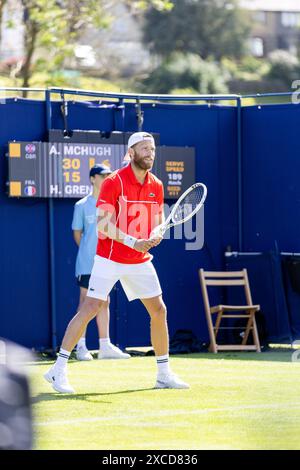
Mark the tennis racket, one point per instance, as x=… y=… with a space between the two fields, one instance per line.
x=189 y=203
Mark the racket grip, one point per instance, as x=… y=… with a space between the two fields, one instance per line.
x=157 y=231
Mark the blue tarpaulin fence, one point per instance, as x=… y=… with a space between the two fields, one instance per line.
x=249 y=165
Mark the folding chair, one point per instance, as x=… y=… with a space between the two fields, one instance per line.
x=229 y=278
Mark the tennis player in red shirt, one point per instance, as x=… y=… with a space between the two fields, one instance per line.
x=129 y=206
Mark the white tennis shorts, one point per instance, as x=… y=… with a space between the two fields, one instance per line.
x=139 y=281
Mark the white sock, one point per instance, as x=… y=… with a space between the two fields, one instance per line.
x=62 y=358
x=104 y=343
x=81 y=342
x=163 y=366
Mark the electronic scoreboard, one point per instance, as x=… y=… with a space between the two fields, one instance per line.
x=61 y=169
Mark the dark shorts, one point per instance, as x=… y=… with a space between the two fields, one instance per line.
x=83 y=280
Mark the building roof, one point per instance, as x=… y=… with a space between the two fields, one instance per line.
x=271 y=5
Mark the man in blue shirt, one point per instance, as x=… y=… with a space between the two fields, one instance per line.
x=85 y=235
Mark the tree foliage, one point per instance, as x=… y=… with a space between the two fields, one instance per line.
x=186 y=71
x=52 y=27
x=284 y=68
x=215 y=28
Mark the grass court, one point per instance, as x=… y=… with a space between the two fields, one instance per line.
x=236 y=401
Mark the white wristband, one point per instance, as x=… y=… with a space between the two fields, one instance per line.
x=129 y=241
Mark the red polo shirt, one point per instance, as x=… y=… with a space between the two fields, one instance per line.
x=134 y=206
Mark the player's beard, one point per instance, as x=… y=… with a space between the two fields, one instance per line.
x=144 y=163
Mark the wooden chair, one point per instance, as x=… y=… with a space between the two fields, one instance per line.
x=231 y=278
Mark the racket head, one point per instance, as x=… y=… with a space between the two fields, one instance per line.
x=193 y=198
x=188 y=204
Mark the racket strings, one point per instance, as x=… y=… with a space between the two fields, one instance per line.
x=188 y=204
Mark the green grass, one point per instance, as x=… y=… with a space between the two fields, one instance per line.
x=236 y=401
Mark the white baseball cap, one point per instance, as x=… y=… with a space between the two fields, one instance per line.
x=139 y=137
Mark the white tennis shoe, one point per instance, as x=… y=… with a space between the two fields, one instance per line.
x=112 y=352
x=58 y=379
x=170 y=381
x=83 y=354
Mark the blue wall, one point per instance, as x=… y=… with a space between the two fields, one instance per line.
x=270 y=165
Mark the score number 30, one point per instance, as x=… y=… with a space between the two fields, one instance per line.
x=71 y=164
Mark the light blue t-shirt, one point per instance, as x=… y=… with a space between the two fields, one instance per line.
x=85 y=218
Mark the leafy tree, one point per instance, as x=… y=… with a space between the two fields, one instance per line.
x=52 y=27
x=215 y=28
x=186 y=71
x=159 y=5
x=284 y=68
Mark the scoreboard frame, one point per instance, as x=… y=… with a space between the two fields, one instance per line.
x=61 y=169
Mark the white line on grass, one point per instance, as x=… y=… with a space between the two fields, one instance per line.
x=137 y=416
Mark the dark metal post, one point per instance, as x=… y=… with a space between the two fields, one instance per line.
x=51 y=240
x=240 y=174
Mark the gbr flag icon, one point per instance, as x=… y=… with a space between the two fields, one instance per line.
x=30 y=190
x=30 y=148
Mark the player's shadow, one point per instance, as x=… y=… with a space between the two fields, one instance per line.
x=82 y=396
